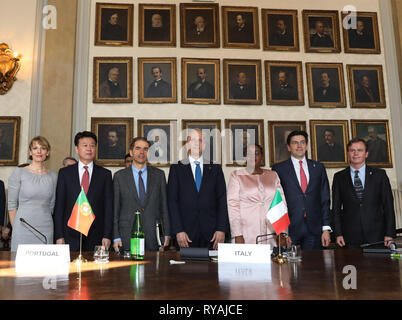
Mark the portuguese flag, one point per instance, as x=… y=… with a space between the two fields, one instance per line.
x=82 y=215
x=278 y=213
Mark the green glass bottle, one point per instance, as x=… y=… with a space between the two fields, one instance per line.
x=137 y=239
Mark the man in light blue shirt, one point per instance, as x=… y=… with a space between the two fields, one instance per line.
x=140 y=188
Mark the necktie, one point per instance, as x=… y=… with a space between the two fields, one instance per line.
x=85 y=180
x=198 y=175
x=303 y=178
x=141 y=187
x=358 y=186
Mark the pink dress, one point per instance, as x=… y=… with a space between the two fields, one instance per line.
x=249 y=198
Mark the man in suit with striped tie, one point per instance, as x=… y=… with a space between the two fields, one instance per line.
x=363 y=205
x=306 y=188
x=97 y=184
x=197 y=198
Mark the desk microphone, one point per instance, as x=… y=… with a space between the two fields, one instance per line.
x=23 y=221
x=263 y=235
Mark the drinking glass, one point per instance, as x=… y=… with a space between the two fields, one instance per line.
x=101 y=254
x=295 y=253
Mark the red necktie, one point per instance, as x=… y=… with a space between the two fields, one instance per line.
x=303 y=178
x=85 y=180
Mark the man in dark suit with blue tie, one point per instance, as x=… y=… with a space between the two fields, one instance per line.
x=97 y=184
x=363 y=205
x=306 y=188
x=197 y=198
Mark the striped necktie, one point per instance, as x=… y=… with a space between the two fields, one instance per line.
x=358 y=186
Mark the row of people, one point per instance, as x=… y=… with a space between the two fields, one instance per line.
x=194 y=206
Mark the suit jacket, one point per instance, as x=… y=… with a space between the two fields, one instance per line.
x=236 y=92
x=163 y=89
x=100 y=197
x=331 y=94
x=200 y=89
x=126 y=203
x=323 y=41
x=315 y=202
x=244 y=35
x=108 y=90
x=203 y=212
x=370 y=220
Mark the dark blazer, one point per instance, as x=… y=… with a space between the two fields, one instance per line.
x=370 y=220
x=315 y=202
x=193 y=212
x=126 y=203
x=332 y=94
x=247 y=92
x=100 y=197
x=162 y=90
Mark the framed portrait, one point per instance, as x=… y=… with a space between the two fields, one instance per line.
x=242 y=81
x=200 y=80
x=326 y=86
x=157 y=80
x=362 y=35
x=278 y=132
x=9 y=140
x=113 y=80
x=329 y=139
x=376 y=134
x=114 y=24
x=284 y=83
x=280 y=30
x=211 y=130
x=199 y=25
x=366 y=86
x=240 y=134
x=240 y=27
x=162 y=137
x=157 y=25
x=321 y=31
x=114 y=138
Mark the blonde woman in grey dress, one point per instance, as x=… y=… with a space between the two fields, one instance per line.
x=31 y=196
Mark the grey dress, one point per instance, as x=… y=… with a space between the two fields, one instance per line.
x=33 y=195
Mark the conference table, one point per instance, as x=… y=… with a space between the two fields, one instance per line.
x=326 y=274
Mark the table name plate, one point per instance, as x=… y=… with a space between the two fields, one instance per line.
x=244 y=253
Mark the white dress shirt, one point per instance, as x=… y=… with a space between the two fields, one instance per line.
x=81 y=170
x=296 y=166
x=193 y=165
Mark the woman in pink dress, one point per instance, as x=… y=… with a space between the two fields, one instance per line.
x=250 y=193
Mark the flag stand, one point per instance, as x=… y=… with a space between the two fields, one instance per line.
x=80 y=258
x=280 y=259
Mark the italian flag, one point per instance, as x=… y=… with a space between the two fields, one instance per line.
x=278 y=213
x=82 y=215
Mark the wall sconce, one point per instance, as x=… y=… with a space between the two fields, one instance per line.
x=9 y=66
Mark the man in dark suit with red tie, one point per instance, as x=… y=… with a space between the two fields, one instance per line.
x=306 y=188
x=197 y=198
x=363 y=205
x=97 y=184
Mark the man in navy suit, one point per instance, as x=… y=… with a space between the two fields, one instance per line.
x=100 y=196
x=363 y=205
x=197 y=198
x=306 y=188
